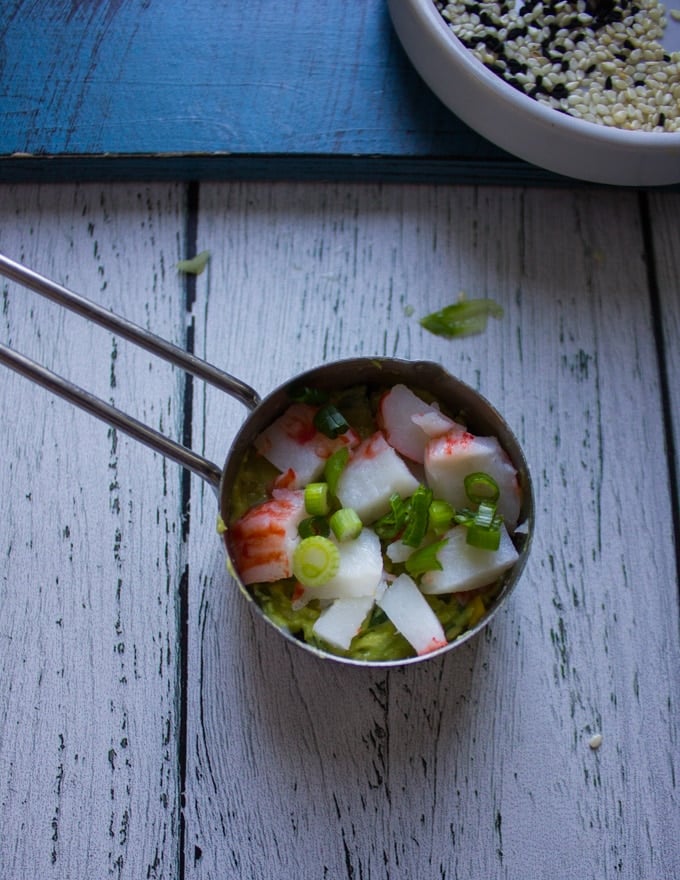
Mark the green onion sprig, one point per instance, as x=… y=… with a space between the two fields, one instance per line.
x=418 y=521
x=425 y=559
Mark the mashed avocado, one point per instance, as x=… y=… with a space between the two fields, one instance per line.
x=378 y=639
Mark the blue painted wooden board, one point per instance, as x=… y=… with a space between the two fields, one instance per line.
x=224 y=88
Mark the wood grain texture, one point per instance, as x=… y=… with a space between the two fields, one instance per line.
x=144 y=708
x=203 y=85
x=478 y=764
x=91 y=544
x=664 y=232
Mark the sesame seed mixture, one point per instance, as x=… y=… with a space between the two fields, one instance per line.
x=605 y=66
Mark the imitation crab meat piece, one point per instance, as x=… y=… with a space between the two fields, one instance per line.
x=341 y=621
x=264 y=538
x=405 y=420
x=408 y=610
x=374 y=473
x=293 y=443
x=452 y=457
x=465 y=567
x=359 y=573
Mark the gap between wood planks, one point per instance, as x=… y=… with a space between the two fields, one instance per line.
x=670 y=440
x=191 y=235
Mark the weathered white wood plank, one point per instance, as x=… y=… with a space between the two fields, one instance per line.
x=479 y=764
x=90 y=538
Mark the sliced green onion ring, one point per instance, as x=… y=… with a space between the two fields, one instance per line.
x=315 y=561
x=345 y=524
x=440 y=516
x=317 y=502
x=334 y=467
x=330 y=421
x=314 y=525
x=418 y=508
x=484 y=531
x=483 y=537
x=480 y=486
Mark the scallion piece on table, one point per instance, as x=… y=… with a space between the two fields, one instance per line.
x=464 y=318
x=317 y=501
x=315 y=561
x=425 y=559
x=418 y=521
x=330 y=421
x=314 y=525
x=345 y=524
x=334 y=467
x=481 y=487
x=195 y=265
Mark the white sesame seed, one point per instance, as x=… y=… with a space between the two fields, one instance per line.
x=616 y=74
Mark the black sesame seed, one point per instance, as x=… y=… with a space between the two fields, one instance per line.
x=493 y=44
x=502 y=30
x=515 y=66
x=498 y=69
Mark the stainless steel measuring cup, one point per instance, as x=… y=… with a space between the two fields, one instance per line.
x=453 y=394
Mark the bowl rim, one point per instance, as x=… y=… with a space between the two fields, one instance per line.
x=631 y=139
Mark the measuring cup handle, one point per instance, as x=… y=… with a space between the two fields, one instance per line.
x=141 y=337
x=205 y=469
x=198 y=465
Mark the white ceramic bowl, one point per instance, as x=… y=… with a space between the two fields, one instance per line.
x=521 y=125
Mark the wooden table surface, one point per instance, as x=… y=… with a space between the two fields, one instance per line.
x=150 y=727
x=221 y=89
